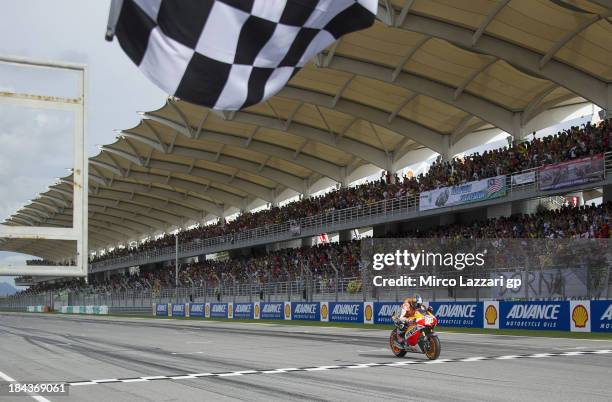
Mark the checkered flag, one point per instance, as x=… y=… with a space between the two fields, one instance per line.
x=230 y=54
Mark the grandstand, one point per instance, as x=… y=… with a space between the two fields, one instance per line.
x=239 y=198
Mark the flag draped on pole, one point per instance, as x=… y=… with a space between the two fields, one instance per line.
x=230 y=54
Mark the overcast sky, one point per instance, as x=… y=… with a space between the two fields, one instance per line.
x=34 y=146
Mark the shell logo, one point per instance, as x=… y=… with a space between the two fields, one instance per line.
x=324 y=311
x=368 y=312
x=257 y=311
x=491 y=315
x=580 y=316
x=207 y=310
x=230 y=310
x=287 y=311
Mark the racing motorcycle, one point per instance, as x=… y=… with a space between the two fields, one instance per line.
x=418 y=338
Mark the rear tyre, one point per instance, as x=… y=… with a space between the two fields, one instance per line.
x=433 y=347
x=396 y=351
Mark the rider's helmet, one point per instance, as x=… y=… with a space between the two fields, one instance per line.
x=415 y=302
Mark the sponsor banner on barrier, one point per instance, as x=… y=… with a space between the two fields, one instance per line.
x=230 y=311
x=308 y=311
x=523 y=178
x=535 y=315
x=571 y=173
x=324 y=306
x=243 y=311
x=345 y=311
x=287 y=311
x=384 y=310
x=273 y=311
x=458 y=314
x=580 y=315
x=89 y=309
x=206 y=310
x=490 y=317
x=256 y=310
x=473 y=191
x=218 y=310
x=178 y=310
x=601 y=313
x=368 y=312
x=196 y=310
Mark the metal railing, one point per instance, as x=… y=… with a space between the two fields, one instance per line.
x=357 y=216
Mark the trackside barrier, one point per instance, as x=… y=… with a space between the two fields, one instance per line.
x=91 y=310
x=563 y=315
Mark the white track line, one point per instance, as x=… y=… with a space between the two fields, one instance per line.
x=339 y=367
x=7 y=378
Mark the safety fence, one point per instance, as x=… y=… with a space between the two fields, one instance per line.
x=565 y=315
x=528 y=183
x=562 y=315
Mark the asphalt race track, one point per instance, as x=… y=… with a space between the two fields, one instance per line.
x=123 y=359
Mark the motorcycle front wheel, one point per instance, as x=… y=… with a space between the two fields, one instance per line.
x=432 y=349
x=396 y=351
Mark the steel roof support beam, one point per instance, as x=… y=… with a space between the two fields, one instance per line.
x=487 y=20
x=421 y=134
x=472 y=77
x=577 y=81
x=569 y=36
x=407 y=57
x=477 y=106
x=309 y=162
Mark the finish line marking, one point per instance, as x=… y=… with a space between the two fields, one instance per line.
x=336 y=367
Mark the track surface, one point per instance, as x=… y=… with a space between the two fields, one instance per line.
x=42 y=348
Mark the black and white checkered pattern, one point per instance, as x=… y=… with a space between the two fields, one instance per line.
x=398 y=363
x=230 y=54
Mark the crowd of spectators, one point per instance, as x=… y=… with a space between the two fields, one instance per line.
x=575 y=142
x=318 y=262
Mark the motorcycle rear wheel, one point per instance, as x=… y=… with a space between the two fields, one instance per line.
x=433 y=351
x=396 y=351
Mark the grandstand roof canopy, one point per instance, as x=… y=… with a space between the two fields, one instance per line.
x=429 y=76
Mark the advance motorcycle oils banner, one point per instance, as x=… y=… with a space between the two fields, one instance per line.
x=307 y=311
x=178 y=310
x=272 y=311
x=196 y=310
x=384 y=310
x=552 y=315
x=601 y=313
x=346 y=312
x=458 y=314
x=161 y=310
x=243 y=311
x=218 y=310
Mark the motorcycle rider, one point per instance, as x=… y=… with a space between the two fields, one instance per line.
x=407 y=313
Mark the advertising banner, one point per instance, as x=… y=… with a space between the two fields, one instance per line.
x=178 y=310
x=230 y=310
x=535 y=315
x=243 y=311
x=207 y=310
x=601 y=313
x=384 y=310
x=480 y=190
x=571 y=173
x=256 y=310
x=458 y=314
x=523 y=178
x=308 y=311
x=325 y=311
x=273 y=311
x=218 y=310
x=346 y=312
x=580 y=315
x=196 y=310
x=490 y=311
x=287 y=310
x=368 y=312
x=161 y=310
